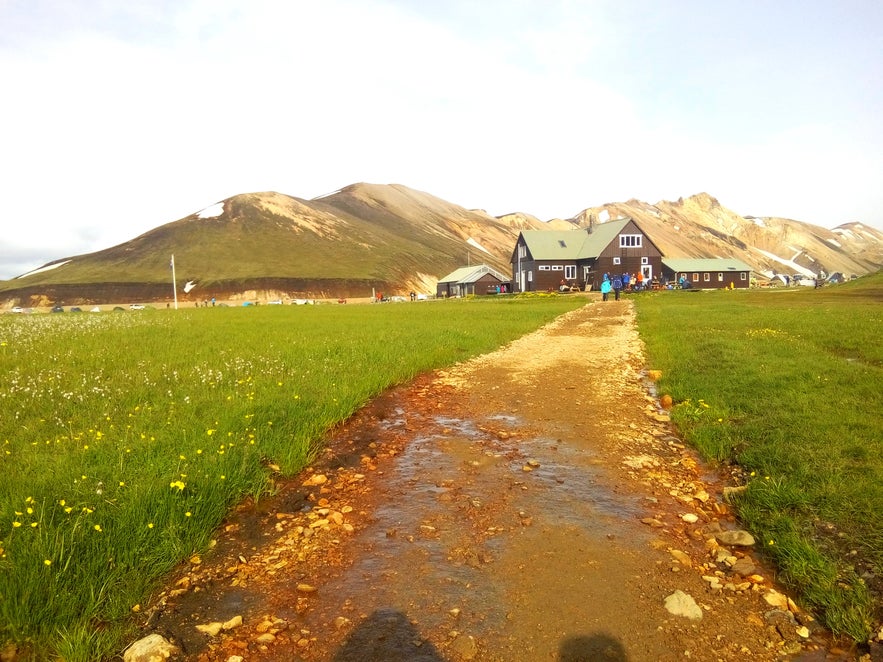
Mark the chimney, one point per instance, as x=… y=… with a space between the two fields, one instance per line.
x=591 y=227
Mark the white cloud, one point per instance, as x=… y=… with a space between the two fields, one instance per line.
x=545 y=108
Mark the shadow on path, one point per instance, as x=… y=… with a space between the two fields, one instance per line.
x=594 y=648
x=388 y=636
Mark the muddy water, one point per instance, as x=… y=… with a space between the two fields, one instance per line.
x=491 y=548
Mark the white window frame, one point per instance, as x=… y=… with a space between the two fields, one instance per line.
x=645 y=260
x=706 y=277
x=617 y=260
x=631 y=241
x=544 y=267
x=557 y=267
x=570 y=271
x=743 y=275
x=696 y=277
x=720 y=277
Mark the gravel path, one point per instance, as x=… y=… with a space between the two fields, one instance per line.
x=530 y=504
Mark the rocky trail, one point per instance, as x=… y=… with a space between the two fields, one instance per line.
x=530 y=504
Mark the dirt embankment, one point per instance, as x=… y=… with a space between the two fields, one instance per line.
x=531 y=504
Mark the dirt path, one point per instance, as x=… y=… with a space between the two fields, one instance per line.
x=532 y=504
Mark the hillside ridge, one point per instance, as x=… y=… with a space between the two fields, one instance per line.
x=364 y=238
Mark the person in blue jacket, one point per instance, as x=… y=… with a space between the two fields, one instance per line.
x=605 y=287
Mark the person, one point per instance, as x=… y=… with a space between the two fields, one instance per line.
x=617 y=287
x=625 y=280
x=640 y=279
x=605 y=288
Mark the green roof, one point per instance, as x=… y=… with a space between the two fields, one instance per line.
x=572 y=244
x=472 y=274
x=704 y=264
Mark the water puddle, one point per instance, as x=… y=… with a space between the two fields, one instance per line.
x=462 y=509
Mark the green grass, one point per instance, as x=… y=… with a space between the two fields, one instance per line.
x=126 y=437
x=787 y=385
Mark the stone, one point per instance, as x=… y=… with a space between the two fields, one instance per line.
x=681 y=557
x=744 y=567
x=315 y=479
x=266 y=638
x=465 y=647
x=683 y=604
x=234 y=622
x=235 y=658
x=690 y=518
x=775 y=599
x=735 y=537
x=152 y=648
x=211 y=629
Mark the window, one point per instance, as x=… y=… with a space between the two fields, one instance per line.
x=645 y=260
x=616 y=260
x=544 y=267
x=631 y=240
x=530 y=276
x=743 y=275
x=696 y=277
x=557 y=267
x=561 y=243
x=570 y=272
x=720 y=277
x=522 y=251
x=706 y=277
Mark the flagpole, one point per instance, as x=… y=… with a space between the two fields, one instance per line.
x=174 y=285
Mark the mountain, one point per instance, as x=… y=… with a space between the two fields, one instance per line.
x=699 y=226
x=394 y=239
x=269 y=245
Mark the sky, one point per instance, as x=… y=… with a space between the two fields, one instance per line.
x=117 y=117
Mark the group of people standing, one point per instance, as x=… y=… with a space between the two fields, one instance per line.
x=619 y=282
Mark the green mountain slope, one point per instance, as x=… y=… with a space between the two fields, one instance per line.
x=365 y=236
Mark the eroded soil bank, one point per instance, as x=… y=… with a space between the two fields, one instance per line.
x=531 y=504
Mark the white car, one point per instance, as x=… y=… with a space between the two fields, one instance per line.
x=18 y=309
x=136 y=306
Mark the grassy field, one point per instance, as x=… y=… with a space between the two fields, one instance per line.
x=788 y=385
x=125 y=437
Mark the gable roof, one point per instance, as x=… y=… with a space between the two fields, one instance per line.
x=472 y=274
x=572 y=244
x=705 y=264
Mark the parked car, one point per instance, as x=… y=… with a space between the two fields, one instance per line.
x=18 y=309
x=57 y=309
x=136 y=306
